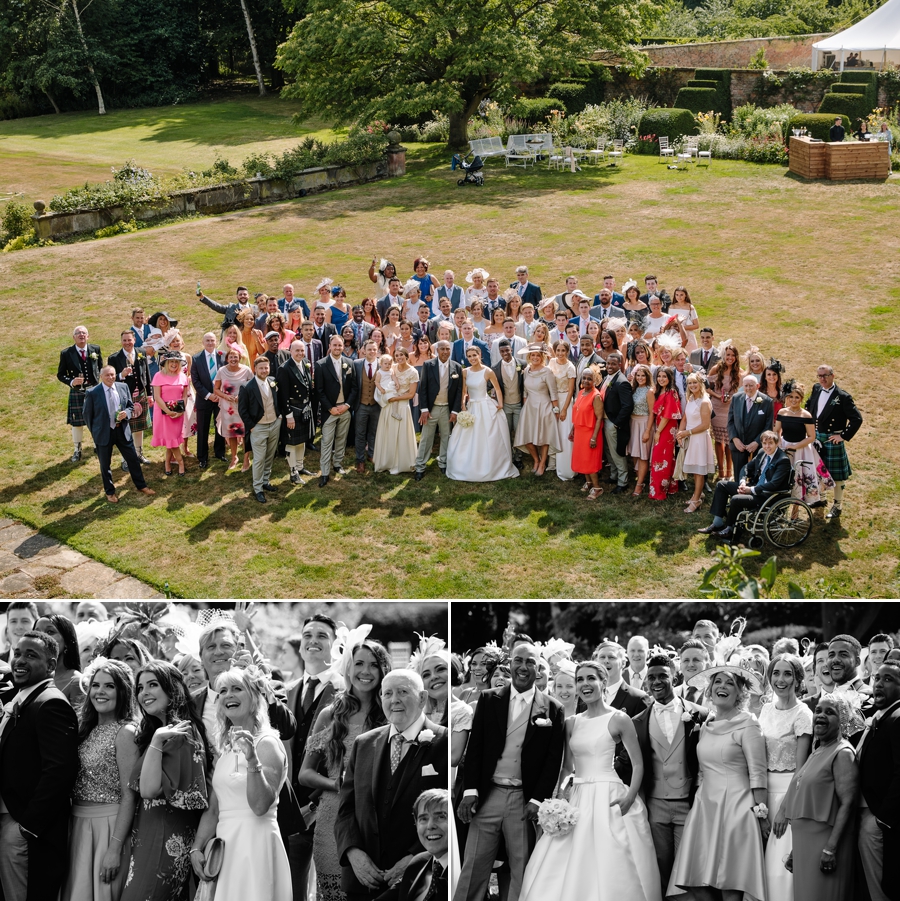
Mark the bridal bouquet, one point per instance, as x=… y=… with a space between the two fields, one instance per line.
x=557 y=817
x=466 y=419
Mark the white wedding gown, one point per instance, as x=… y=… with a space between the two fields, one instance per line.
x=606 y=856
x=482 y=452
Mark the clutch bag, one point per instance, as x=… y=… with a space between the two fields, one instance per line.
x=213 y=852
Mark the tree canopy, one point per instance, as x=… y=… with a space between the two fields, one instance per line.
x=397 y=60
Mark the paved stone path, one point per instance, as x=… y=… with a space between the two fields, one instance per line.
x=35 y=566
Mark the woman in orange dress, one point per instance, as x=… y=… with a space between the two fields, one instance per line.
x=587 y=435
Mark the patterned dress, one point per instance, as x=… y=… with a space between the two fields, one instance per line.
x=328 y=867
x=165 y=827
x=662 y=457
x=228 y=421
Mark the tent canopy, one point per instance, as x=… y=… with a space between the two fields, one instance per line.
x=878 y=31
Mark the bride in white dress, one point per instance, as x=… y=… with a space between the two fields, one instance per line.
x=482 y=452
x=608 y=855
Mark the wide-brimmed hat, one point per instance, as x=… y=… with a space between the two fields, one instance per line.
x=536 y=348
x=155 y=318
x=579 y=293
x=164 y=356
x=703 y=679
x=547 y=302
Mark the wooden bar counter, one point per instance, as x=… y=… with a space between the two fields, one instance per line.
x=839 y=161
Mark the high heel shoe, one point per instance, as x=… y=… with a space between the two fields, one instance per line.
x=693 y=506
x=637 y=489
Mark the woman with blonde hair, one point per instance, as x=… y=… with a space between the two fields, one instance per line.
x=232 y=337
x=537 y=430
x=477 y=290
x=699 y=459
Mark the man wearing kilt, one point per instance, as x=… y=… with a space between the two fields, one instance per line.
x=295 y=396
x=132 y=369
x=837 y=421
x=79 y=368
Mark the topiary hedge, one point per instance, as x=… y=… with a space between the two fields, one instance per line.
x=535 y=110
x=575 y=95
x=817 y=124
x=703 y=83
x=841 y=87
x=723 y=77
x=860 y=76
x=670 y=123
x=853 y=106
x=698 y=100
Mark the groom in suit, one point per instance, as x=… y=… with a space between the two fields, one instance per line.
x=467 y=341
x=440 y=399
x=512 y=762
x=669 y=747
x=336 y=389
x=38 y=764
x=107 y=409
x=749 y=415
x=389 y=768
x=618 y=402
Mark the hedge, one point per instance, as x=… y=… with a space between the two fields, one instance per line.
x=860 y=76
x=670 y=123
x=698 y=100
x=841 y=87
x=703 y=83
x=536 y=110
x=817 y=124
x=853 y=106
x=723 y=77
x=573 y=94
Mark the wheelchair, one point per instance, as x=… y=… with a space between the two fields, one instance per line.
x=782 y=520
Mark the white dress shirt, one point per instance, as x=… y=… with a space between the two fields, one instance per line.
x=612 y=691
x=824 y=397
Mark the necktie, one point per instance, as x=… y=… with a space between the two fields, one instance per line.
x=83 y=353
x=212 y=366
x=309 y=694
x=749 y=404
x=396 y=750
x=309 y=352
x=437 y=871
x=762 y=469
x=636 y=680
x=705 y=358
x=370 y=370
x=113 y=405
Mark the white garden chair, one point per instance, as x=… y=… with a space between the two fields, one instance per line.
x=664 y=149
x=599 y=153
x=556 y=159
x=617 y=154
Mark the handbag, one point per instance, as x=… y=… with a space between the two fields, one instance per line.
x=176 y=406
x=213 y=854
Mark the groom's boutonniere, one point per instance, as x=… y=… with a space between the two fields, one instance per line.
x=542 y=721
x=426 y=736
x=455 y=375
x=686 y=717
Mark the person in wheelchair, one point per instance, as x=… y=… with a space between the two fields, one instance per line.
x=766 y=474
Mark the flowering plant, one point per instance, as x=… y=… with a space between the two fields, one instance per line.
x=466 y=419
x=557 y=817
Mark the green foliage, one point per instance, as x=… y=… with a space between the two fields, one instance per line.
x=796 y=83
x=117 y=228
x=817 y=124
x=845 y=88
x=16 y=221
x=615 y=119
x=758 y=60
x=672 y=123
x=535 y=110
x=889 y=82
x=854 y=107
x=220 y=168
x=573 y=94
x=727 y=578
x=750 y=121
x=698 y=100
x=860 y=76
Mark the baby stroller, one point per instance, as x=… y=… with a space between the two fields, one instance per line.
x=473 y=173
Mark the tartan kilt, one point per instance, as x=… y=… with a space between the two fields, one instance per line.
x=142 y=422
x=75 y=413
x=834 y=456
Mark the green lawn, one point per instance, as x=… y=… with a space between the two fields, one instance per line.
x=45 y=155
x=800 y=269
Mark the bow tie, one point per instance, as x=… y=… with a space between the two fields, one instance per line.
x=672 y=705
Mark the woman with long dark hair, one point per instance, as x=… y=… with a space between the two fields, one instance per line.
x=724 y=381
x=103 y=804
x=67 y=675
x=666 y=414
x=354 y=711
x=170 y=776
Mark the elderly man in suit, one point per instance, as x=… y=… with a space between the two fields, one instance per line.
x=705 y=356
x=511 y=377
x=440 y=400
x=205 y=364
x=389 y=768
x=669 y=747
x=230 y=311
x=337 y=391
x=749 y=415
x=260 y=412
x=38 y=764
x=618 y=402
x=133 y=371
x=766 y=474
x=837 y=421
x=306 y=698
x=79 y=369
x=368 y=410
x=512 y=762
x=448 y=291
x=528 y=291
x=466 y=340
x=107 y=409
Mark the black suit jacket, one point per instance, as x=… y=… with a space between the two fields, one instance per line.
x=375 y=806
x=276 y=360
x=541 y=752
x=250 y=404
x=96 y=413
x=139 y=380
x=531 y=294
x=328 y=332
x=430 y=385
x=619 y=401
x=71 y=365
x=777 y=476
x=879 y=768
x=296 y=746
x=840 y=416
x=386 y=302
x=201 y=380
x=416 y=881
x=328 y=388
x=749 y=426
x=629 y=699
x=691 y=739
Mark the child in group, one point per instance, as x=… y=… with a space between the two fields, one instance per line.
x=386 y=385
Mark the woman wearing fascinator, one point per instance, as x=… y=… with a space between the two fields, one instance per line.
x=385 y=272
x=356 y=709
x=771 y=384
x=243 y=803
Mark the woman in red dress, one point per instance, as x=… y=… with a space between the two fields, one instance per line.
x=587 y=434
x=666 y=413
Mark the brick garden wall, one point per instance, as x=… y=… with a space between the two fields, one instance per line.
x=780 y=52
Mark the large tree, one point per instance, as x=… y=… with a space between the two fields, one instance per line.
x=400 y=59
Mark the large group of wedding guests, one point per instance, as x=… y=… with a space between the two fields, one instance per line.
x=715 y=771
x=604 y=386
x=153 y=756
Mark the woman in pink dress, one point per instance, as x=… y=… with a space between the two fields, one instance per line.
x=170 y=392
x=189 y=425
x=666 y=413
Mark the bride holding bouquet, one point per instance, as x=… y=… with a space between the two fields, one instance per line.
x=607 y=855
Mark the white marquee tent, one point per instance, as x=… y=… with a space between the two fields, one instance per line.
x=876 y=41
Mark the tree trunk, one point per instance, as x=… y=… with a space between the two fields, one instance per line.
x=50 y=98
x=459 y=122
x=252 y=36
x=101 y=106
